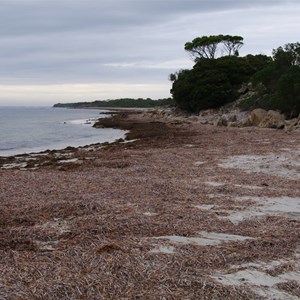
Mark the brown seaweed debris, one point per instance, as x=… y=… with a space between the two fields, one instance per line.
x=292 y=287
x=88 y=233
x=137 y=130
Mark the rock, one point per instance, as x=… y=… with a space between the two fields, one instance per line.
x=221 y=121
x=245 y=88
x=273 y=119
x=204 y=122
x=292 y=124
x=233 y=124
x=228 y=119
x=246 y=122
x=206 y=112
x=193 y=118
x=257 y=115
x=232 y=119
x=208 y=117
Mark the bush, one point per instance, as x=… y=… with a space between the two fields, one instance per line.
x=281 y=79
x=212 y=82
x=289 y=92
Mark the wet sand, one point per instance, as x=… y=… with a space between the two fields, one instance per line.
x=178 y=210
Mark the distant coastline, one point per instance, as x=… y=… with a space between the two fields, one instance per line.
x=118 y=103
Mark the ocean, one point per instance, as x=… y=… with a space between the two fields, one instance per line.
x=35 y=129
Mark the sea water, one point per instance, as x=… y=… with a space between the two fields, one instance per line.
x=34 y=129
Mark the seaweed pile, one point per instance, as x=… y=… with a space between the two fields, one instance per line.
x=150 y=218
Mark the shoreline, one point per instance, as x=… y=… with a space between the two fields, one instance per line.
x=178 y=209
x=133 y=131
x=86 y=138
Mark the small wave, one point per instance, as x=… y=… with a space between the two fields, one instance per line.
x=90 y=121
x=6 y=148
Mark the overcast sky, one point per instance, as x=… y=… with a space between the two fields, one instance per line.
x=81 y=50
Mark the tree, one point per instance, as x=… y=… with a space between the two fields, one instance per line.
x=203 y=47
x=211 y=83
x=232 y=44
x=207 y=46
x=288 y=55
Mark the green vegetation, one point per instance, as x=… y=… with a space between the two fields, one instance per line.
x=207 y=46
x=281 y=80
x=124 y=102
x=214 y=82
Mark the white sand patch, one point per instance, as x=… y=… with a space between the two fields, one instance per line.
x=61 y=155
x=216 y=196
x=163 y=249
x=29 y=159
x=58 y=226
x=14 y=165
x=239 y=216
x=256 y=277
x=205 y=206
x=263 y=141
x=129 y=141
x=149 y=214
x=278 y=164
x=278 y=206
x=264 y=206
x=260 y=282
x=283 y=205
x=204 y=238
x=199 y=163
x=38 y=154
x=46 y=246
x=91 y=148
x=214 y=183
x=71 y=160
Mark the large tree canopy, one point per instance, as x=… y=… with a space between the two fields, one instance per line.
x=208 y=46
x=213 y=82
x=219 y=72
x=232 y=44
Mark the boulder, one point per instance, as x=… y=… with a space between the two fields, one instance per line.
x=257 y=115
x=232 y=118
x=221 y=121
x=273 y=119
x=246 y=122
x=233 y=124
x=292 y=124
x=207 y=112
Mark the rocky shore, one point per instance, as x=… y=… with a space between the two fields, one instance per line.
x=180 y=209
x=231 y=117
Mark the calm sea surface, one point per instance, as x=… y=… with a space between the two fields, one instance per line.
x=33 y=129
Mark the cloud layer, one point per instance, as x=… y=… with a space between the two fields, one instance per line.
x=61 y=43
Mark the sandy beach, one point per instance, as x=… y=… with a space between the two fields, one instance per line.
x=178 y=210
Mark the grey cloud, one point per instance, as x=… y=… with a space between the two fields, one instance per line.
x=73 y=41
x=30 y=17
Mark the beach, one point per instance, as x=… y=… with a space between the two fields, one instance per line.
x=177 y=210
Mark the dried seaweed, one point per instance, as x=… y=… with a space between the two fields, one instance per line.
x=292 y=287
x=88 y=232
